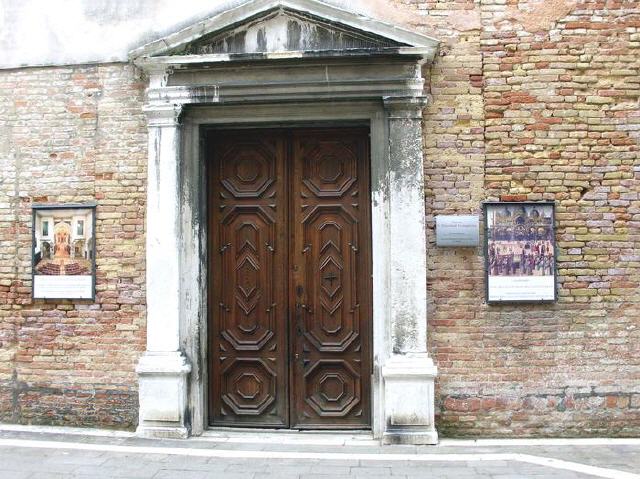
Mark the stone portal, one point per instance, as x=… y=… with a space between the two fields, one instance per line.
x=275 y=62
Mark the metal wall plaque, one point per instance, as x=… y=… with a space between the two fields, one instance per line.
x=457 y=230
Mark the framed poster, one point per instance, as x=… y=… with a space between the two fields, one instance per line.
x=63 y=251
x=520 y=252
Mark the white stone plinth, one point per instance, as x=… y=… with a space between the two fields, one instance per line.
x=409 y=400
x=162 y=380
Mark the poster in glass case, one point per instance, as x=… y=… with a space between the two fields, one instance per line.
x=520 y=252
x=63 y=252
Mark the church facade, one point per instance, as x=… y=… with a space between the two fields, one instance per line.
x=245 y=196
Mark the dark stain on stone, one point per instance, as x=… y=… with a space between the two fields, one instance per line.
x=236 y=42
x=324 y=39
x=294 y=35
x=262 y=40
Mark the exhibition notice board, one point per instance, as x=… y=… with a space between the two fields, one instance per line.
x=63 y=251
x=520 y=252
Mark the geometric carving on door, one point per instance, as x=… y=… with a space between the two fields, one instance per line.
x=248 y=169
x=333 y=326
x=330 y=169
x=247 y=327
x=248 y=278
x=249 y=386
x=290 y=280
x=330 y=236
x=331 y=387
x=247 y=235
x=331 y=276
x=330 y=216
x=247 y=323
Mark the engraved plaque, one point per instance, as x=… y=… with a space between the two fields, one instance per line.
x=457 y=230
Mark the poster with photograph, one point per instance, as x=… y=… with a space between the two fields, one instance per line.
x=520 y=252
x=63 y=252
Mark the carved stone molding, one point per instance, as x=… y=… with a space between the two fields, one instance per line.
x=405 y=107
x=163 y=115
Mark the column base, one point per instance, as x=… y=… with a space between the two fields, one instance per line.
x=162 y=380
x=409 y=400
x=160 y=432
x=408 y=436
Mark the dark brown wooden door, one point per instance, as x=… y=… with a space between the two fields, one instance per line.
x=247 y=289
x=290 y=287
x=330 y=280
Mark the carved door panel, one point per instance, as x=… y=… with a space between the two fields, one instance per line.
x=330 y=283
x=290 y=269
x=248 y=270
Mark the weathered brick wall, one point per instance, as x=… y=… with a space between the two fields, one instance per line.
x=72 y=134
x=538 y=101
x=531 y=100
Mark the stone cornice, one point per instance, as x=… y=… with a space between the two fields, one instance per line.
x=402 y=94
x=151 y=64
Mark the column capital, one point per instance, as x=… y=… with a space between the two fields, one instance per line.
x=405 y=106
x=163 y=115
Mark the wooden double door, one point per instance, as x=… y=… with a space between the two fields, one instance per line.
x=290 y=278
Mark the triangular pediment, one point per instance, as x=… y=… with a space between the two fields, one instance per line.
x=285 y=30
x=266 y=27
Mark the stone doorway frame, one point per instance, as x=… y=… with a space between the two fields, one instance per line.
x=187 y=93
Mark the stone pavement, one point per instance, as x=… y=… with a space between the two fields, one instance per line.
x=39 y=453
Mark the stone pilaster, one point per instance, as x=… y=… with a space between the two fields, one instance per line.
x=163 y=368
x=409 y=372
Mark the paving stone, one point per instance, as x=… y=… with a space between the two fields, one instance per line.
x=49 y=475
x=191 y=463
x=274 y=475
x=301 y=468
x=141 y=471
x=9 y=474
x=75 y=459
x=190 y=474
x=30 y=462
x=371 y=471
x=326 y=469
x=325 y=476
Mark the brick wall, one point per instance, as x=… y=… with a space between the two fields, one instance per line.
x=71 y=135
x=535 y=100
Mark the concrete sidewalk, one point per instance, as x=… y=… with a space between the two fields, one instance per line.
x=34 y=453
